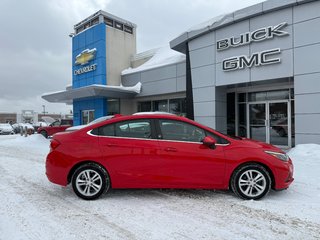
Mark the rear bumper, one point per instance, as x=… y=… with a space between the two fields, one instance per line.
x=56 y=173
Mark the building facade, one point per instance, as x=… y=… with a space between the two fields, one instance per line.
x=251 y=73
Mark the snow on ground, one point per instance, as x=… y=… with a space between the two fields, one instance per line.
x=33 y=208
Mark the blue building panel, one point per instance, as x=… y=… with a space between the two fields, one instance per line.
x=99 y=105
x=94 y=37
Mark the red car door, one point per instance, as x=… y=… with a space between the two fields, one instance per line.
x=130 y=154
x=187 y=163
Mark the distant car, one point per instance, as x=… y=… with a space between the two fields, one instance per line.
x=16 y=127
x=55 y=127
x=6 y=129
x=164 y=151
x=28 y=126
x=36 y=125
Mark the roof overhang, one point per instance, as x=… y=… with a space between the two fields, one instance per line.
x=180 y=43
x=67 y=96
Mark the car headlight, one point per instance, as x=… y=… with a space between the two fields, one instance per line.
x=282 y=156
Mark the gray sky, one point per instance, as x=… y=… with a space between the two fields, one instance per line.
x=36 y=49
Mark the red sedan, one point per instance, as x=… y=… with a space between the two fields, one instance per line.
x=164 y=151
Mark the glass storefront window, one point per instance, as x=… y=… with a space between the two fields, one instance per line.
x=292 y=93
x=87 y=116
x=257 y=96
x=242 y=97
x=160 y=106
x=231 y=114
x=177 y=106
x=270 y=95
x=277 y=95
x=242 y=126
x=113 y=106
x=144 y=106
x=292 y=124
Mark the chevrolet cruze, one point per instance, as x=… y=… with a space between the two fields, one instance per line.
x=164 y=151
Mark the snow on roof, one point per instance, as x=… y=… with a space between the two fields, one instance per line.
x=164 y=56
x=208 y=23
x=220 y=21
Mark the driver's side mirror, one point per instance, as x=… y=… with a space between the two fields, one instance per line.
x=209 y=142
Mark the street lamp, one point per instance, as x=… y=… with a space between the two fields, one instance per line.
x=44 y=109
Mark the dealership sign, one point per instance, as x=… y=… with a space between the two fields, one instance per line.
x=84 y=58
x=256 y=59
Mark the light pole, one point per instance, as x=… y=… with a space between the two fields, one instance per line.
x=44 y=109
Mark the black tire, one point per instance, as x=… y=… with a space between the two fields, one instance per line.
x=90 y=180
x=44 y=133
x=251 y=181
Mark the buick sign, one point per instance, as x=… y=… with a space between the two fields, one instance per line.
x=258 y=35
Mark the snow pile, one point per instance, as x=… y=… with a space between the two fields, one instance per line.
x=305 y=152
x=136 y=88
x=302 y=199
x=35 y=141
x=164 y=56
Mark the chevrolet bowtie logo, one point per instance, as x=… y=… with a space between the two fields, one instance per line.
x=85 y=56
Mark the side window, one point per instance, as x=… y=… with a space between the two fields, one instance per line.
x=65 y=122
x=55 y=124
x=219 y=139
x=107 y=130
x=133 y=129
x=180 y=131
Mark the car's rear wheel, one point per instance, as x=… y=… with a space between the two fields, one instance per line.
x=89 y=181
x=251 y=181
x=44 y=133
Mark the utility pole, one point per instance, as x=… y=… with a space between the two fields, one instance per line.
x=44 y=109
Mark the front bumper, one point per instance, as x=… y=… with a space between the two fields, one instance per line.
x=284 y=175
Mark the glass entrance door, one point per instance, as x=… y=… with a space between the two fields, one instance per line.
x=279 y=125
x=257 y=121
x=268 y=122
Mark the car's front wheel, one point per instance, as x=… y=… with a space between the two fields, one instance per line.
x=251 y=181
x=89 y=181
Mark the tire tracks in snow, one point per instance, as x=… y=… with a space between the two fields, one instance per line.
x=31 y=192
x=213 y=203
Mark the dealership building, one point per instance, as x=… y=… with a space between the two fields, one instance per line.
x=252 y=73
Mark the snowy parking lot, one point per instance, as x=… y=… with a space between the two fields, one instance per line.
x=33 y=208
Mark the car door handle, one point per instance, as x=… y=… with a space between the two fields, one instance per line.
x=170 y=149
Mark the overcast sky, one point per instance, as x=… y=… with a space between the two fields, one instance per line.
x=36 y=49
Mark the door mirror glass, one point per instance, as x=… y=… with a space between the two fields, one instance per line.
x=209 y=142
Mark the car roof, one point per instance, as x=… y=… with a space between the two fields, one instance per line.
x=139 y=116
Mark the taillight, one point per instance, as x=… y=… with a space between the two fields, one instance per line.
x=54 y=144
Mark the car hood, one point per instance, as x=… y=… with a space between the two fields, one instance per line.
x=6 y=128
x=258 y=144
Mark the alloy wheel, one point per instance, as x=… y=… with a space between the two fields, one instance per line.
x=252 y=183
x=88 y=182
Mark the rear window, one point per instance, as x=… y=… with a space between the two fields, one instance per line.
x=66 y=122
x=129 y=129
